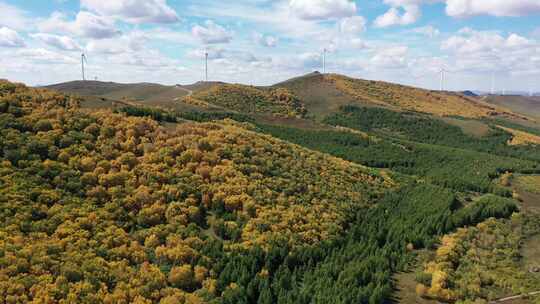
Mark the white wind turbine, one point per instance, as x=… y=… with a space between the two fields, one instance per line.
x=206 y=64
x=83 y=61
x=443 y=72
x=324 y=60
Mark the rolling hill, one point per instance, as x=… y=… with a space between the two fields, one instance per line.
x=146 y=93
x=324 y=94
x=315 y=94
x=524 y=105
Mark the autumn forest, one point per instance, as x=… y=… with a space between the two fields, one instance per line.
x=241 y=194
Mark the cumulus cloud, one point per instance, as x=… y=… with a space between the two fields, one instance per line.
x=93 y=26
x=429 y=31
x=265 y=40
x=86 y=25
x=10 y=38
x=128 y=43
x=322 y=9
x=469 y=41
x=310 y=60
x=403 y=14
x=134 y=11
x=390 y=57
x=352 y=25
x=41 y=55
x=13 y=17
x=211 y=33
x=212 y=51
x=64 y=43
x=465 y=8
x=147 y=59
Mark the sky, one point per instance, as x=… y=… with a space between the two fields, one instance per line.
x=479 y=43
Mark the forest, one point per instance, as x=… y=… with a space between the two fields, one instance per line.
x=103 y=207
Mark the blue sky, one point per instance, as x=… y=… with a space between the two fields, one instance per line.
x=263 y=42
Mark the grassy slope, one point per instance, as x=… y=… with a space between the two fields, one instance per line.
x=524 y=105
x=319 y=96
x=324 y=94
x=148 y=93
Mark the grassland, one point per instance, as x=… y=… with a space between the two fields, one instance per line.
x=529 y=183
x=414 y=99
x=471 y=127
x=524 y=105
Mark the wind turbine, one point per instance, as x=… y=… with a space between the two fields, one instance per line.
x=324 y=60
x=492 y=83
x=443 y=71
x=206 y=65
x=83 y=60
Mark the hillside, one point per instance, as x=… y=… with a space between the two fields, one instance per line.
x=315 y=95
x=94 y=194
x=326 y=93
x=103 y=207
x=251 y=100
x=523 y=105
x=147 y=93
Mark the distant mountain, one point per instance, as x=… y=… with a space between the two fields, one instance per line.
x=469 y=93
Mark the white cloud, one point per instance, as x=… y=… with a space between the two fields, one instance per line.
x=310 y=60
x=265 y=40
x=322 y=9
x=133 y=11
x=469 y=41
x=41 y=55
x=86 y=25
x=13 y=17
x=10 y=38
x=212 y=33
x=64 y=43
x=429 y=31
x=148 y=59
x=352 y=25
x=129 y=43
x=213 y=53
x=407 y=14
x=464 y=8
x=517 y=41
x=390 y=57
x=93 y=26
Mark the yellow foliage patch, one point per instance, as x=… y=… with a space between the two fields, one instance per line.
x=415 y=99
x=521 y=137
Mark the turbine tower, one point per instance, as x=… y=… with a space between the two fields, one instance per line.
x=442 y=71
x=206 y=66
x=83 y=60
x=324 y=60
x=492 y=83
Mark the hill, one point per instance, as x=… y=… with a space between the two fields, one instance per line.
x=147 y=93
x=326 y=93
x=524 y=105
x=96 y=193
x=248 y=99
x=315 y=94
x=469 y=94
x=105 y=207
